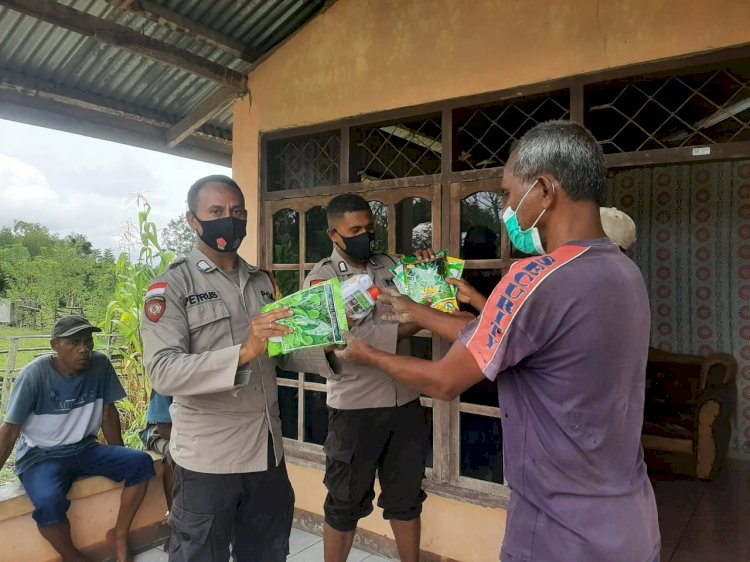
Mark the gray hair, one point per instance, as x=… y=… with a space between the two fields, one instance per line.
x=566 y=150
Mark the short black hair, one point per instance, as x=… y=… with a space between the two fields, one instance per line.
x=345 y=203
x=195 y=189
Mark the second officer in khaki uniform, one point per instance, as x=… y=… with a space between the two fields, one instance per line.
x=376 y=425
x=204 y=343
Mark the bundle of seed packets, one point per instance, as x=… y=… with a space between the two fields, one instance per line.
x=425 y=282
x=319 y=318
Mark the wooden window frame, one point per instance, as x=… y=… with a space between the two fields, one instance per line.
x=450 y=188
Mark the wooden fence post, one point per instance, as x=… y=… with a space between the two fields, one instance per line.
x=9 y=368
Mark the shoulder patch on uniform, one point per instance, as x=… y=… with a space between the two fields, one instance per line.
x=343 y=268
x=154 y=308
x=316 y=282
x=203 y=265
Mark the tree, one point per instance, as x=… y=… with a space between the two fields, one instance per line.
x=178 y=237
x=33 y=236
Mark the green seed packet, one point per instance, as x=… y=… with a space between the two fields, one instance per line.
x=319 y=318
x=425 y=282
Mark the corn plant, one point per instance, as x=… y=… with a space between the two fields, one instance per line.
x=123 y=315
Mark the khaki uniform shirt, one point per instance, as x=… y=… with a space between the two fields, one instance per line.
x=221 y=415
x=349 y=386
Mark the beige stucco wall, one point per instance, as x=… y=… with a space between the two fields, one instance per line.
x=457 y=531
x=362 y=56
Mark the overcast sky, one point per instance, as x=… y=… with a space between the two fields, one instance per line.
x=70 y=183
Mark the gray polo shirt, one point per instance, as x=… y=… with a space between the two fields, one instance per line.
x=568 y=333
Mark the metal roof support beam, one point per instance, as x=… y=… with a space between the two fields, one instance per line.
x=66 y=114
x=176 y=21
x=124 y=37
x=205 y=111
x=10 y=82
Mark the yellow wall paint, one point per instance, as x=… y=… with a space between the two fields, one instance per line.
x=363 y=56
x=456 y=530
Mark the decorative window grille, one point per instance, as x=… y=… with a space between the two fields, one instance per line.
x=397 y=150
x=695 y=108
x=483 y=135
x=304 y=162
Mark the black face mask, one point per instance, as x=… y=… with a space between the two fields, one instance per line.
x=223 y=235
x=358 y=247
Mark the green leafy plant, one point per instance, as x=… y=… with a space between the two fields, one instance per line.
x=123 y=315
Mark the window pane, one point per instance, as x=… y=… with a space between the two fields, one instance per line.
x=413 y=225
x=483 y=135
x=483 y=393
x=288 y=281
x=481 y=448
x=286 y=236
x=481 y=216
x=314 y=377
x=289 y=410
x=380 y=213
x=282 y=374
x=398 y=150
x=317 y=243
x=483 y=280
x=316 y=417
x=302 y=162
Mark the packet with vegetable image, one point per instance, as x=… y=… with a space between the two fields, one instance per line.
x=319 y=318
x=425 y=282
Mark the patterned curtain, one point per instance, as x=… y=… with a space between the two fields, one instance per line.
x=693 y=248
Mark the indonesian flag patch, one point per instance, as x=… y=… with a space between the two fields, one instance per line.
x=155 y=302
x=156 y=290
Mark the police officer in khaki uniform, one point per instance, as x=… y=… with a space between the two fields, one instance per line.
x=204 y=341
x=375 y=423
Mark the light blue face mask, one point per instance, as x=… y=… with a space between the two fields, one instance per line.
x=527 y=241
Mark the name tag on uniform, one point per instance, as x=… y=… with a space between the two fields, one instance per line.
x=201 y=297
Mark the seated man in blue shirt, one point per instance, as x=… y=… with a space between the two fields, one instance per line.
x=57 y=407
x=156 y=438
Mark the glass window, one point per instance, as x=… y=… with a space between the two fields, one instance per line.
x=396 y=150
x=380 y=214
x=316 y=417
x=286 y=236
x=317 y=243
x=302 y=162
x=481 y=448
x=289 y=406
x=413 y=225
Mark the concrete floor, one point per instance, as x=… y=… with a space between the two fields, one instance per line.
x=303 y=547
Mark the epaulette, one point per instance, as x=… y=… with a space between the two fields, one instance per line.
x=321 y=263
x=177 y=261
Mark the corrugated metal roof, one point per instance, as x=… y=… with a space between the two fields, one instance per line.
x=49 y=56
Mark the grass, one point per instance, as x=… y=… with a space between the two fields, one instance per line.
x=22 y=358
x=6 y=473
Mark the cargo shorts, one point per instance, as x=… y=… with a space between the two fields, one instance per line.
x=391 y=443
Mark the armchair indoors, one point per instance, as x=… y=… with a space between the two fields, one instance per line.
x=690 y=400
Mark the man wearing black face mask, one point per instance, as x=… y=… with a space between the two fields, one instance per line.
x=204 y=342
x=375 y=423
